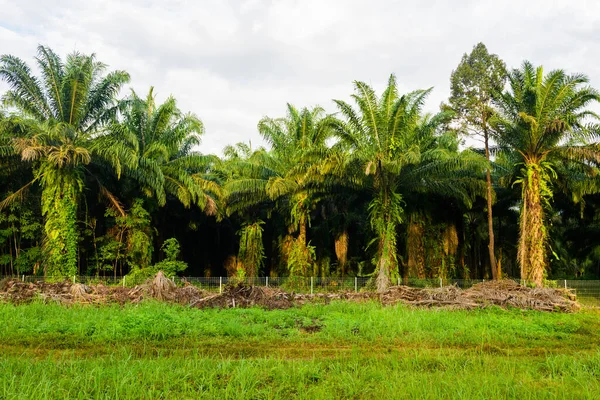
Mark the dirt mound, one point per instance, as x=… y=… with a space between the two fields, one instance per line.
x=499 y=293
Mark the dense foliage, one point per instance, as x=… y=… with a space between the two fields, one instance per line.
x=94 y=183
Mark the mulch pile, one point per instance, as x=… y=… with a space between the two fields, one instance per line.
x=504 y=294
x=160 y=288
x=493 y=293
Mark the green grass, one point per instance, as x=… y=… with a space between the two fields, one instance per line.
x=341 y=350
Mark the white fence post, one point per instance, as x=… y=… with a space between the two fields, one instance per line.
x=23 y=278
x=311 y=285
x=73 y=279
x=356 y=284
x=220 y=284
x=267 y=281
x=441 y=285
x=565 y=283
x=398 y=281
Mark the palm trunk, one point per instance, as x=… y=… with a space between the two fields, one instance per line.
x=300 y=256
x=251 y=249
x=341 y=250
x=532 y=235
x=415 y=248
x=488 y=175
x=61 y=236
x=386 y=261
x=302 y=231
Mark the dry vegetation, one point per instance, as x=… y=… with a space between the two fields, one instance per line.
x=499 y=293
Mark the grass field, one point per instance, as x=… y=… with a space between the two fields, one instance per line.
x=340 y=350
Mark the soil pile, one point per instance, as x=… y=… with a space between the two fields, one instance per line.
x=493 y=293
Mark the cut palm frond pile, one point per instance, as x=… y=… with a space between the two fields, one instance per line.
x=506 y=294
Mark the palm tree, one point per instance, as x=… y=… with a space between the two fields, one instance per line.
x=394 y=150
x=167 y=166
x=65 y=107
x=164 y=141
x=286 y=176
x=545 y=123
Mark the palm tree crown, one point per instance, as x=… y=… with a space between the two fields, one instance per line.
x=164 y=140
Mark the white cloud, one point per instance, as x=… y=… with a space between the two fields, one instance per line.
x=232 y=62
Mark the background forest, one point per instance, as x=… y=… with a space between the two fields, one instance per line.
x=96 y=179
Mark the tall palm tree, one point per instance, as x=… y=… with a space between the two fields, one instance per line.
x=286 y=176
x=299 y=141
x=393 y=148
x=66 y=106
x=545 y=123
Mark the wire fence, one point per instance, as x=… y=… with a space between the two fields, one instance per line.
x=587 y=291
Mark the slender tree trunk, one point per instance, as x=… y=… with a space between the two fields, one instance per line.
x=532 y=235
x=11 y=257
x=302 y=243
x=488 y=175
x=462 y=247
x=17 y=248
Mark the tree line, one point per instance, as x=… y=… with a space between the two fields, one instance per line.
x=94 y=183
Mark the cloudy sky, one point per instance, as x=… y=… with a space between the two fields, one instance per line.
x=232 y=62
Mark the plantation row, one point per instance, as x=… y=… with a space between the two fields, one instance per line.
x=96 y=183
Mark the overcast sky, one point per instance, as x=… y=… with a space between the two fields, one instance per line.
x=233 y=62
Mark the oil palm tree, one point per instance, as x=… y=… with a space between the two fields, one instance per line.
x=394 y=150
x=164 y=140
x=545 y=124
x=64 y=108
x=286 y=176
